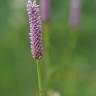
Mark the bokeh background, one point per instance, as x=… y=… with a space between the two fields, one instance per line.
x=72 y=68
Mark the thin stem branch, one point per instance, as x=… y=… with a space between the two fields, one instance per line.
x=39 y=78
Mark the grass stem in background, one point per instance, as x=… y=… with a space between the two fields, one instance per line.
x=47 y=54
x=45 y=13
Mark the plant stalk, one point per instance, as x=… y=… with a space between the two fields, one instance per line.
x=39 y=79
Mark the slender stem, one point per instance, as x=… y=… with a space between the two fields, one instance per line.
x=39 y=78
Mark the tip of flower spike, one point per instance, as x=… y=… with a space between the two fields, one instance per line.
x=29 y=1
x=34 y=2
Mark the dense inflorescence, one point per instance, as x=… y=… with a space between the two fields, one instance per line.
x=35 y=33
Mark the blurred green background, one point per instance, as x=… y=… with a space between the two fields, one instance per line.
x=72 y=69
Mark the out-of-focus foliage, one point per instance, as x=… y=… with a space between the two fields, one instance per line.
x=72 y=71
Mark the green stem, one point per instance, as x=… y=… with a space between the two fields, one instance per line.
x=39 y=78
